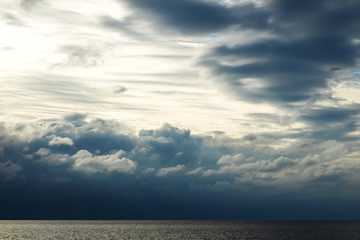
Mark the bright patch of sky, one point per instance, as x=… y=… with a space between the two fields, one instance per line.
x=57 y=58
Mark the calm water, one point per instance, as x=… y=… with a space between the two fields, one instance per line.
x=177 y=230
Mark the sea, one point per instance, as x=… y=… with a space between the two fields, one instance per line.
x=180 y=230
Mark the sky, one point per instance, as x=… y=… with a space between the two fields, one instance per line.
x=180 y=109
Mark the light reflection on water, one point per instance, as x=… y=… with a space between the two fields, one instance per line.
x=178 y=230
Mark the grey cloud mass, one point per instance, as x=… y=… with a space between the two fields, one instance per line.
x=188 y=16
x=309 y=39
x=333 y=114
x=166 y=161
x=296 y=64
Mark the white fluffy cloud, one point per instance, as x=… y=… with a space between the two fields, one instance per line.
x=115 y=162
x=227 y=159
x=166 y=171
x=57 y=141
x=46 y=156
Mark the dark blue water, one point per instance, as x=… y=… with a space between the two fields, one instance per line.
x=178 y=230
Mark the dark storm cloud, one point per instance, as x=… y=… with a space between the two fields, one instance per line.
x=187 y=15
x=327 y=50
x=279 y=80
x=332 y=114
x=310 y=40
x=77 y=164
x=319 y=17
x=199 y=17
x=321 y=123
x=332 y=122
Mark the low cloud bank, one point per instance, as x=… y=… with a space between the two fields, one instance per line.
x=76 y=158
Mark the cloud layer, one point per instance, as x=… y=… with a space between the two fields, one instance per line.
x=165 y=164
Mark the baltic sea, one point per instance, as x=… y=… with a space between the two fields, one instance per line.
x=179 y=230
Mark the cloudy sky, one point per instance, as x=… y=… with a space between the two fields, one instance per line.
x=180 y=109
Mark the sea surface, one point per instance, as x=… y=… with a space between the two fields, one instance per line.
x=179 y=230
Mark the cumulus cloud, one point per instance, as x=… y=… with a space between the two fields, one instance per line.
x=89 y=163
x=43 y=152
x=100 y=147
x=170 y=161
x=54 y=159
x=166 y=171
x=227 y=159
x=58 y=141
x=46 y=156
